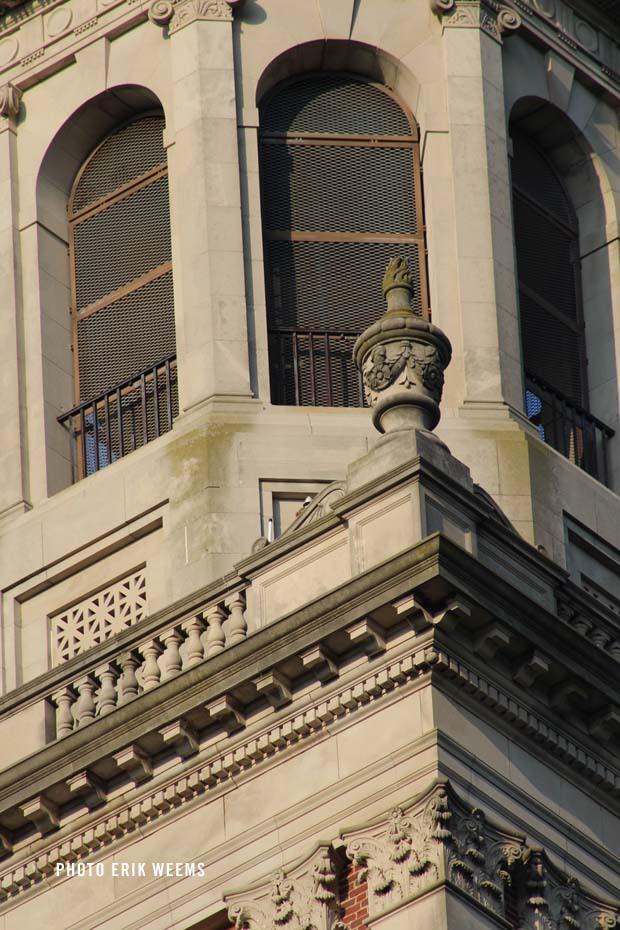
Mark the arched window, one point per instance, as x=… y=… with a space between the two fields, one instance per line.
x=551 y=310
x=341 y=195
x=122 y=300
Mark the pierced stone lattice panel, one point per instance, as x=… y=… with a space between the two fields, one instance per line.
x=99 y=616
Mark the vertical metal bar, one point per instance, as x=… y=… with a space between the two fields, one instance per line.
x=83 y=442
x=328 y=363
x=145 y=425
x=119 y=414
x=96 y=435
x=585 y=458
x=604 y=450
x=312 y=371
x=168 y=394
x=296 y=375
x=156 y=401
x=108 y=430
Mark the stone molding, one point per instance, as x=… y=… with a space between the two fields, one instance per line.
x=10 y=101
x=305 y=896
x=438 y=839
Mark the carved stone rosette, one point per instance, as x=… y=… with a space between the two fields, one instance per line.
x=402 y=360
x=304 y=897
x=437 y=839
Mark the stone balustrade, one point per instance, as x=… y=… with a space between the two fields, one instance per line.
x=150 y=663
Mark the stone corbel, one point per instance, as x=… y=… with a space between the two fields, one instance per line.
x=437 y=838
x=305 y=896
x=10 y=102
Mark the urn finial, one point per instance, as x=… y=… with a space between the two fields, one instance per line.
x=402 y=358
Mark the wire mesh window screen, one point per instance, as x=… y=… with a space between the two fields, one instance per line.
x=123 y=307
x=546 y=240
x=341 y=191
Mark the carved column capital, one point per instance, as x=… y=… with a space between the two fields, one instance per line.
x=10 y=101
x=489 y=15
x=302 y=897
x=547 y=899
x=437 y=838
x=181 y=13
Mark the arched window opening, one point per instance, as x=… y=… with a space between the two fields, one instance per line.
x=341 y=195
x=122 y=299
x=551 y=310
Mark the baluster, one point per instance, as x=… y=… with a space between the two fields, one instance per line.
x=237 y=626
x=216 y=641
x=86 y=709
x=107 y=675
x=195 y=650
x=128 y=686
x=172 y=662
x=63 y=699
x=151 y=673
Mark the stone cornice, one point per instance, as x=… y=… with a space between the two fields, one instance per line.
x=588 y=47
x=497 y=623
x=234 y=757
x=552 y=23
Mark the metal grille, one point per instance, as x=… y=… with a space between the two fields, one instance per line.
x=341 y=196
x=123 y=307
x=551 y=347
x=535 y=177
x=547 y=259
x=335 y=105
x=356 y=192
x=331 y=285
x=121 y=158
x=132 y=237
x=126 y=337
x=552 y=330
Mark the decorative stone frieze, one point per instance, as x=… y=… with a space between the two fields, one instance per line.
x=402 y=359
x=547 y=899
x=304 y=897
x=10 y=101
x=434 y=840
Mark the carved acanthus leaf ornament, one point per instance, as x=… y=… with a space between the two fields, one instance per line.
x=306 y=897
x=437 y=839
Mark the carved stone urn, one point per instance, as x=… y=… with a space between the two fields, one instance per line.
x=402 y=360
